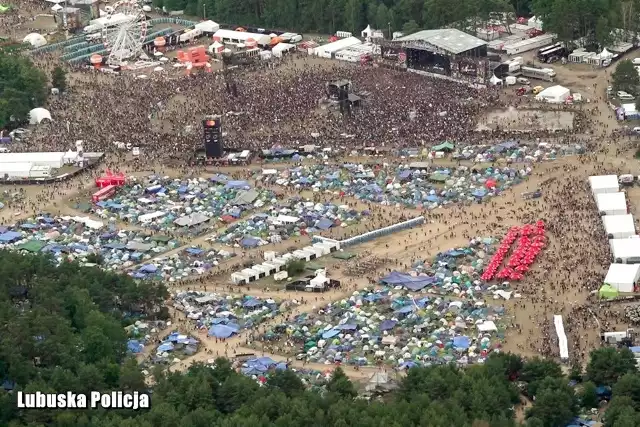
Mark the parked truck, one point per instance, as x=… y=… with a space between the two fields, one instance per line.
x=546 y=74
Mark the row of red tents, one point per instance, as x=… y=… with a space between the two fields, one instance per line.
x=532 y=240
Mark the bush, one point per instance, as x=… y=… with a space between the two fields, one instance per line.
x=295 y=267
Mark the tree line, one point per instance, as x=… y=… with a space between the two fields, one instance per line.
x=62 y=329
x=594 y=21
x=22 y=87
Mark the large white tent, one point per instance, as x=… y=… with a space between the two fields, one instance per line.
x=619 y=226
x=240 y=37
x=554 y=94
x=207 y=26
x=35 y=40
x=38 y=114
x=53 y=159
x=604 y=184
x=280 y=48
x=329 y=49
x=623 y=276
x=612 y=203
x=625 y=251
x=15 y=170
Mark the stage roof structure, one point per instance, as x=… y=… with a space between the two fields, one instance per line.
x=449 y=39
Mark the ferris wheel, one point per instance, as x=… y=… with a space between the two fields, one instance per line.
x=126 y=32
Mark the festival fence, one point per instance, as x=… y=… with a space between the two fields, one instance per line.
x=385 y=231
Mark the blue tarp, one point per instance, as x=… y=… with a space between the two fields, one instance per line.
x=410 y=282
x=148 y=268
x=194 y=251
x=330 y=333
x=404 y=174
x=165 y=346
x=347 y=327
x=221 y=331
x=114 y=245
x=387 y=325
x=461 y=342
x=29 y=226
x=237 y=185
x=10 y=236
x=219 y=178
x=134 y=346
x=154 y=189
x=253 y=302
x=324 y=224
x=406 y=309
x=249 y=242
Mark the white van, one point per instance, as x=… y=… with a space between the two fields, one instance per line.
x=624 y=96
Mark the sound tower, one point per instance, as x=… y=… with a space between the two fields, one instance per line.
x=213 y=146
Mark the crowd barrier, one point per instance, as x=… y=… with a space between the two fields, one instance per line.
x=75 y=46
x=82 y=52
x=562 y=337
x=385 y=231
x=59 y=45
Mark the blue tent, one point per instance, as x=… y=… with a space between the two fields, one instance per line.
x=29 y=226
x=404 y=174
x=347 y=327
x=410 y=282
x=406 y=309
x=221 y=331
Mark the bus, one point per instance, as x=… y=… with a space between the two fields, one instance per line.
x=546 y=74
x=104 y=193
x=543 y=50
x=553 y=54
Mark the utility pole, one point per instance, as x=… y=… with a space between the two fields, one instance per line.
x=389 y=23
x=204 y=10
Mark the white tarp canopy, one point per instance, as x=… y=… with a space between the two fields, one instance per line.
x=619 y=226
x=612 y=203
x=604 y=184
x=91 y=223
x=280 y=48
x=555 y=94
x=151 y=216
x=38 y=114
x=623 y=276
x=625 y=250
x=495 y=81
x=16 y=170
x=191 y=220
x=70 y=157
x=562 y=337
x=207 y=26
x=319 y=281
x=605 y=54
x=35 y=40
x=56 y=7
x=325 y=51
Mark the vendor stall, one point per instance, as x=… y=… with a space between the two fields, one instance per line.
x=612 y=203
x=623 y=277
x=619 y=226
x=625 y=251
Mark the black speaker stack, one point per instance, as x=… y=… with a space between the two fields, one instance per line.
x=213 y=145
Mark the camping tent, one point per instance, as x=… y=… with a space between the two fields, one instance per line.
x=35 y=40
x=37 y=115
x=604 y=184
x=495 y=81
x=619 y=226
x=605 y=54
x=612 y=203
x=623 y=277
x=625 y=251
x=445 y=146
x=554 y=94
x=607 y=292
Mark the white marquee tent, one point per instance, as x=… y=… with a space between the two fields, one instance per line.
x=240 y=37
x=619 y=226
x=55 y=159
x=554 y=94
x=612 y=203
x=39 y=114
x=329 y=49
x=280 y=48
x=623 y=276
x=625 y=251
x=604 y=184
x=207 y=26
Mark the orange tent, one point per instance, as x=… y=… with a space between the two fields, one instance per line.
x=275 y=41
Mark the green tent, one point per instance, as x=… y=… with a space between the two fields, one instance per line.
x=607 y=292
x=32 y=246
x=160 y=238
x=438 y=177
x=343 y=255
x=4 y=8
x=445 y=146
